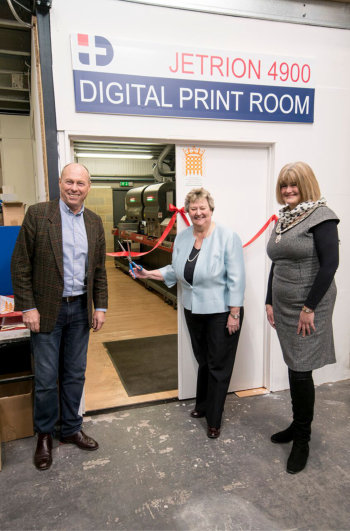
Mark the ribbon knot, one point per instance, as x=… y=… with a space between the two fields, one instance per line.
x=180 y=211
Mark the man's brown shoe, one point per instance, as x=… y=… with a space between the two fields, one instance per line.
x=82 y=440
x=43 y=452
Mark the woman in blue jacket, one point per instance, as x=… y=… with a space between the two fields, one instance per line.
x=208 y=263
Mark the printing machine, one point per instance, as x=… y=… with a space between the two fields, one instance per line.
x=148 y=207
x=146 y=217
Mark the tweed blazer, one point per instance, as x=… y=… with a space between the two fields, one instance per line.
x=37 y=263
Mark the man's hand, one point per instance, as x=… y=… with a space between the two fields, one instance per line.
x=32 y=320
x=97 y=320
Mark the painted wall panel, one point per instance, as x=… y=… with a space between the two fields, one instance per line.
x=323 y=144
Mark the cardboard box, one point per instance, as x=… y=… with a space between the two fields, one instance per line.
x=8 y=197
x=13 y=212
x=16 y=410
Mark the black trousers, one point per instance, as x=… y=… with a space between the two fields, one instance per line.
x=215 y=351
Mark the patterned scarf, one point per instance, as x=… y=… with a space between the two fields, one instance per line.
x=289 y=218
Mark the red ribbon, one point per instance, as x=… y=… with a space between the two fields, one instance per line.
x=272 y=218
x=181 y=211
x=176 y=211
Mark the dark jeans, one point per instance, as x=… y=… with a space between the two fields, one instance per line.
x=62 y=353
x=215 y=351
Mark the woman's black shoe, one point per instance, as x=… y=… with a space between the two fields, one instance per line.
x=298 y=457
x=213 y=433
x=284 y=436
x=197 y=414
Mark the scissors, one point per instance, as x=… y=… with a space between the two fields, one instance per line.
x=132 y=264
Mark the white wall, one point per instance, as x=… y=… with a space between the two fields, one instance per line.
x=324 y=144
x=17 y=156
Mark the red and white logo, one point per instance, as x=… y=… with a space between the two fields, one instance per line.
x=94 y=50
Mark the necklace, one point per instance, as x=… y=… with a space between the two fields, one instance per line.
x=280 y=231
x=195 y=256
x=290 y=218
x=211 y=226
x=301 y=217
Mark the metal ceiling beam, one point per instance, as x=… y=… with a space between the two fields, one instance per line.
x=15 y=52
x=16 y=89
x=312 y=12
x=13 y=110
x=17 y=100
x=12 y=24
x=50 y=124
x=5 y=71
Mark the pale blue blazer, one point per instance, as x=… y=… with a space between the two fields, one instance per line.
x=219 y=277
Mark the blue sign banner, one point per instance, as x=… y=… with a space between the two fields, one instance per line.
x=109 y=93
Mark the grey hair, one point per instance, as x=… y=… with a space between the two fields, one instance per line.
x=196 y=194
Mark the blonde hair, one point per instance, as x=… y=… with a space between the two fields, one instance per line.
x=300 y=174
x=197 y=194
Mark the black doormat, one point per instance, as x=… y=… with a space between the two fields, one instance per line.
x=147 y=364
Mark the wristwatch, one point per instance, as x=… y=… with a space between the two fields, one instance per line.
x=307 y=310
x=235 y=315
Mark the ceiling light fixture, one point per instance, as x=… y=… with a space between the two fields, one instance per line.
x=114 y=156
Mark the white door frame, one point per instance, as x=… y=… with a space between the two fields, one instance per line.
x=66 y=154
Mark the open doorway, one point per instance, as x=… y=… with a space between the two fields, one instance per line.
x=138 y=319
x=239 y=177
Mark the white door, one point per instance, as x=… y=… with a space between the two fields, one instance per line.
x=238 y=179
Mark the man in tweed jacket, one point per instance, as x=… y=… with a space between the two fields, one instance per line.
x=58 y=273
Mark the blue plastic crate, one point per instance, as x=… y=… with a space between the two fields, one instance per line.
x=8 y=237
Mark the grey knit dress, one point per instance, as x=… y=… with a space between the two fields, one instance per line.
x=296 y=266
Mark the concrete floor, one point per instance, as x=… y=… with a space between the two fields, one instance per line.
x=157 y=470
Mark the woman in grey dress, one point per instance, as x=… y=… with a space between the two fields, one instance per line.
x=301 y=295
